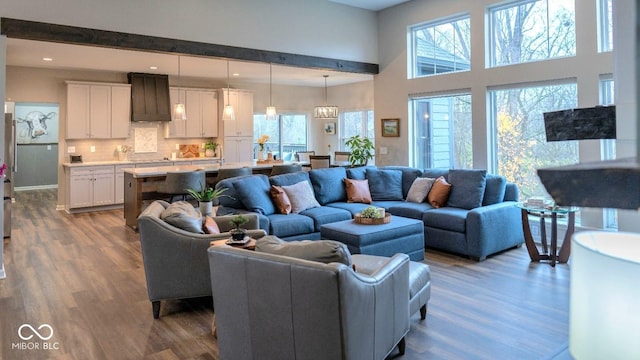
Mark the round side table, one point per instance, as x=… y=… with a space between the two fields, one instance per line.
x=548 y=253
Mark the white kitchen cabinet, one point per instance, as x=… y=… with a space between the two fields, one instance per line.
x=201 y=107
x=90 y=186
x=242 y=102
x=98 y=111
x=119 y=182
x=238 y=149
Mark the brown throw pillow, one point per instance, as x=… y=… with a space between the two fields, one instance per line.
x=439 y=193
x=210 y=226
x=358 y=191
x=280 y=199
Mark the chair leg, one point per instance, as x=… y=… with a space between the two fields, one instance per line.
x=402 y=345
x=156 y=309
x=423 y=312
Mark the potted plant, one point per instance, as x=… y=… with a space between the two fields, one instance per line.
x=210 y=149
x=238 y=233
x=205 y=197
x=371 y=212
x=362 y=150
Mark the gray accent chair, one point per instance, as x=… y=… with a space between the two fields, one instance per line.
x=277 y=307
x=175 y=261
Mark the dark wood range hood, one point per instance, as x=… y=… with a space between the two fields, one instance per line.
x=149 y=97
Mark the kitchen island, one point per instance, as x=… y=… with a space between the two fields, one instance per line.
x=141 y=184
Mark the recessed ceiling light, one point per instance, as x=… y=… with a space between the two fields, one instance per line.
x=153 y=67
x=236 y=74
x=47 y=59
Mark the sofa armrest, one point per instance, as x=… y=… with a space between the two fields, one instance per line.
x=493 y=228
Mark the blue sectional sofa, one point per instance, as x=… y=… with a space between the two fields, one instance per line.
x=478 y=220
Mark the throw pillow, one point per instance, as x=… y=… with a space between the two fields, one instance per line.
x=254 y=194
x=280 y=199
x=210 y=226
x=420 y=189
x=327 y=184
x=385 y=184
x=325 y=251
x=495 y=189
x=358 y=191
x=301 y=196
x=439 y=192
x=183 y=215
x=467 y=188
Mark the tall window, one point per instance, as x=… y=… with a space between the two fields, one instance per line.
x=532 y=30
x=282 y=143
x=605 y=25
x=355 y=123
x=610 y=216
x=521 y=146
x=441 y=46
x=442 y=132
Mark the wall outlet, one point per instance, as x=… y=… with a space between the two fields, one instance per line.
x=92 y=149
x=71 y=149
x=383 y=150
x=177 y=146
x=49 y=147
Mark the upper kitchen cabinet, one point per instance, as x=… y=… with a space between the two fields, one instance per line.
x=242 y=102
x=201 y=108
x=97 y=110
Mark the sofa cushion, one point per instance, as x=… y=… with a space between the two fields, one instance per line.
x=357 y=191
x=439 y=192
x=435 y=173
x=409 y=174
x=288 y=225
x=289 y=179
x=448 y=218
x=467 y=188
x=183 y=215
x=353 y=208
x=495 y=189
x=359 y=172
x=385 y=184
x=232 y=199
x=420 y=189
x=410 y=210
x=254 y=194
x=326 y=215
x=280 y=199
x=325 y=251
x=327 y=184
x=301 y=196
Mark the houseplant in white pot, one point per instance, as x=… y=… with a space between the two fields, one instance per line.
x=210 y=149
x=361 y=148
x=205 y=197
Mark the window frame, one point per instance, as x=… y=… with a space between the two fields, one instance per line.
x=279 y=119
x=366 y=117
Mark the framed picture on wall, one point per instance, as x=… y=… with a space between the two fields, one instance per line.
x=391 y=127
x=36 y=123
x=330 y=128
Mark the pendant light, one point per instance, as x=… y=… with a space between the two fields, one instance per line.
x=228 y=113
x=326 y=111
x=271 y=113
x=179 y=112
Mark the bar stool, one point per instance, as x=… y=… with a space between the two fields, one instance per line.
x=320 y=161
x=176 y=183
x=285 y=169
x=226 y=173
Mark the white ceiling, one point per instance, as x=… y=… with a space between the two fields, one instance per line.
x=374 y=5
x=30 y=53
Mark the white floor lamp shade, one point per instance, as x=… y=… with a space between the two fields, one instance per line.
x=604 y=318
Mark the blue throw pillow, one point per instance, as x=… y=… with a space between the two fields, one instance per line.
x=328 y=184
x=494 y=192
x=408 y=175
x=467 y=188
x=289 y=179
x=358 y=172
x=254 y=194
x=385 y=184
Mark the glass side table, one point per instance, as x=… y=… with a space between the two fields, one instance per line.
x=548 y=253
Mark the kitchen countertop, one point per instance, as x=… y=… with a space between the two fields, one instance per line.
x=133 y=162
x=162 y=170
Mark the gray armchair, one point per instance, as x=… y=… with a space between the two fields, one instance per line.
x=175 y=261
x=277 y=307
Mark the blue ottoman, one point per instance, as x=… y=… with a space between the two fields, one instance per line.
x=400 y=235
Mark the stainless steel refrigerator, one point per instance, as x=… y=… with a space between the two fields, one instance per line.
x=9 y=159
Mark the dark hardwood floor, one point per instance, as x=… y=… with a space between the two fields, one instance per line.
x=83 y=275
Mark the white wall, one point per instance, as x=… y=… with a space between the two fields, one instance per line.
x=309 y=27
